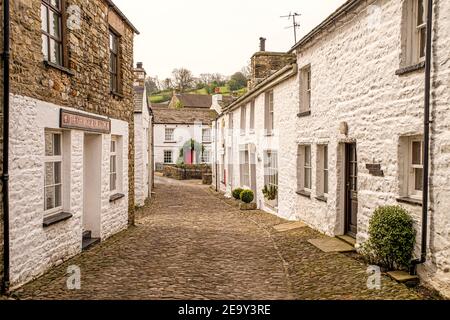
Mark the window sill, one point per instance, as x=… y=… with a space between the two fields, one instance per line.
x=252 y=131
x=117 y=95
x=116 y=197
x=67 y=71
x=322 y=198
x=412 y=201
x=409 y=69
x=56 y=218
x=304 y=114
x=304 y=193
x=269 y=134
x=170 y=142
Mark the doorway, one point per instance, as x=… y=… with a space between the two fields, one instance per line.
x=92 y=177
x=351 y=190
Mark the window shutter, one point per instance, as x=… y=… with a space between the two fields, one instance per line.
x=299 y=167
x=266 y=112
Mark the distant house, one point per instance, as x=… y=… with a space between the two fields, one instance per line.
x=143 y=151
x=187 y=118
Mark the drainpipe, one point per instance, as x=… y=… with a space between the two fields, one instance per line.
x=5 y=176
x=426 y=139
x=215 y=157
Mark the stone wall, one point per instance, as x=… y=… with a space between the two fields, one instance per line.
x=88 y=88
x=264 y=64
x=1 y=144
x=187 y=172
x=354 y=81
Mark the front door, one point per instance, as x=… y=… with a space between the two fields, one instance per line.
x=351 y=190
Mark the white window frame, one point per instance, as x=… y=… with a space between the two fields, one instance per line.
x=244 y=159
x=269 y=112
x=305 y=89
x=113 y=163
x=303 y=167
x=206 y=156
x=414 y=32
x=322 y=176
x=252 y=116
x=54 y=159
x=412 y=168
x=169 y=134
x=171 y=156
x=421 y=29
x=271 y=168
x=243 y=120
x=206 y=138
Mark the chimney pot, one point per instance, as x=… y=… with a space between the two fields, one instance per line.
x=140 y=65
x=262 y=44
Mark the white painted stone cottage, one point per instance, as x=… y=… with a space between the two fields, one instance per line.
x=338 y=131
x=143 y=137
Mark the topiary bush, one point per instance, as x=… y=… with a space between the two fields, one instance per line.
x=391 y=238
x=247 y=196
x=237 y=193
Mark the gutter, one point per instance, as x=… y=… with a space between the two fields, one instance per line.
x=5 y=175
x=426 y=140
x=278 y=77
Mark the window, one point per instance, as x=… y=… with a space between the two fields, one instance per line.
x=305 y=90
x=230 y=124
x=252 y=116
x=322 y=170
x=206 y=156
x=411 y=166
x=304 y=168
x=244 y=166
x=414 y=31
x=206 y=135
x=271 y=171
x=113 y=166
x=52 y=25
x=114 y=62
x=169 y=134
x=243 y=119
x=53 y=173
x=168 y=157
x=269 y=113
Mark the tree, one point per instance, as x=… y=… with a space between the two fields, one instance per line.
x=247 y=70
x=237 y=81
x=166 y=84
x=182 y=79
x=152 y=85
x=218 y=79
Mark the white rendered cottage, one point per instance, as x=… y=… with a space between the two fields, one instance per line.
x=339 y=130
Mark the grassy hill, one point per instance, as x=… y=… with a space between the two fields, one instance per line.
x=166 y=95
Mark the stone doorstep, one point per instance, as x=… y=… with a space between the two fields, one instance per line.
x=289 y=226
x=247 y=206
x=351 y=241
x=332 y=245
x=403 y=277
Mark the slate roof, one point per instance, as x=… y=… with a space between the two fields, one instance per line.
x=195 y=100
x=165 y=115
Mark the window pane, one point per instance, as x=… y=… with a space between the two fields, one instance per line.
x=418 y=173
x=55 y=3
x=45 y=47
x=113 y=164
x=48 y=144
x=325 y=181
x=307 y=178
x=307 y=156
x=112 y=182
x=422 y=42
x=49 y=174
x=113 y=146
x=54 y=24
x=325 y=157
x=421 y=18
x=55 y=52
x=416 y=153
x=44 y=17
x=57 y=172
x=57 y=144
x=49 y=198
x=58 y=196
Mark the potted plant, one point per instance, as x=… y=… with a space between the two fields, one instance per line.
x=270 y=195
x=236 y=193
x=247 y=197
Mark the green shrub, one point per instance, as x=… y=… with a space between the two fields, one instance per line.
x=270 y=192
x=391 y=238
x=247 y=196
x=237 y=193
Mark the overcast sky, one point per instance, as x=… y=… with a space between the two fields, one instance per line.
x=215 y=36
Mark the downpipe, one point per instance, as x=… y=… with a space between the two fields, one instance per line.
x=5 y=175
x=426 y=140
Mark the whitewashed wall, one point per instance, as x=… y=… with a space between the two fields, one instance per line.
x=35 y=249
x=141 y=155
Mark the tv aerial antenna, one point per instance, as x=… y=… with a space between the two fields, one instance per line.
x=295 y=25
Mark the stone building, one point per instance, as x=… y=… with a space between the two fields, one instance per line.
x=71 y=130
x=188 y=116
x=339 y=132
x=143 y=155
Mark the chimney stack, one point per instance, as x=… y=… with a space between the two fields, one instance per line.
x=262 y=44
x=139 y=75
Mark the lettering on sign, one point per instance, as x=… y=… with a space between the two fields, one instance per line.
x=84 y=122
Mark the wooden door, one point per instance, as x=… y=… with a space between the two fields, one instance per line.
x=351 y=185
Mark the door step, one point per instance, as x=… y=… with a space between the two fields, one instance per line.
x=88 y=241
x=351 y=241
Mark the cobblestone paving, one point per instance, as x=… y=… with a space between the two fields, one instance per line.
x=191 y=243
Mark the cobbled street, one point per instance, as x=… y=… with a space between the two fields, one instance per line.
x=191 y=243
